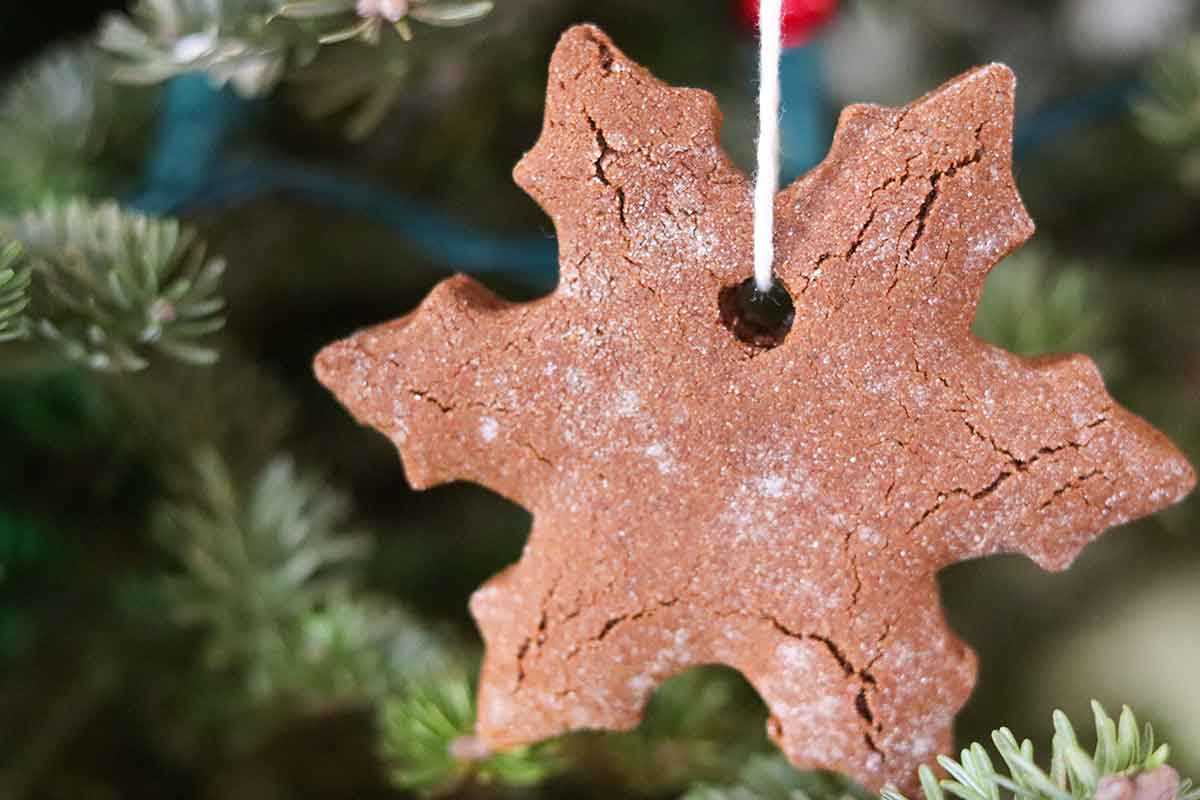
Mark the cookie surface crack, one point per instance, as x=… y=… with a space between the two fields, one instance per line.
x=443 y=406
x=935 y=179
x=598 y=165
x=864 y=678
x=1074 y=483
x=537 y=453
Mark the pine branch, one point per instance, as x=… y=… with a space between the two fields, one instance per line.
x=268 y=575
x=54 y=118
x=696 y=728
x=109 y=285
x=251 y=44
x=14 y=293
x=1030 y=309
x=1125 y=765
x=1171 y=116
x=363 y=647
x=773 y=778
x=343 y=20
x=230 y=40
x=1122 y=751
x=427 y=739
x=255 y=566
x=366 y=81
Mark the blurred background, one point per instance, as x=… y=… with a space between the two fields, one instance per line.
x=213 y=584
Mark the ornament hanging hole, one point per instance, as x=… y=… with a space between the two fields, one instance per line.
x=760 y=319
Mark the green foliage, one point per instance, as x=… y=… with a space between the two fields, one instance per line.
x=14 y=293
x=255 y=567
x=363 y=82
x=341 y=20
x=700 y=725
x=231 y=40
x=252 y=44
x=54 y=116
x=110 y=285
x=21 y=543
x=427 y=740
x=366 y=80
x=269 y=577
x=1030 y=309
x=362 y=647
x=23 y=549
x=1122 y=748
x=773 y=778
x=264 y=572
x=1171 y=116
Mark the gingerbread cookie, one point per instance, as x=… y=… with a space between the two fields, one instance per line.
x=780 y=509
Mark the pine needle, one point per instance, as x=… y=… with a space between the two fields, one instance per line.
x=1075 y=774
x=110 y=286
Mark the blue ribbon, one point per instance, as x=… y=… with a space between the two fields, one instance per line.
x=196 y=122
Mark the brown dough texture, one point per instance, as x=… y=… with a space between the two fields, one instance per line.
x=783 y=511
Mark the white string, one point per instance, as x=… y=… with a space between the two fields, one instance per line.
x=770 y=13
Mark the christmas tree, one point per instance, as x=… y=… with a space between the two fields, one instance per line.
x=214 y=584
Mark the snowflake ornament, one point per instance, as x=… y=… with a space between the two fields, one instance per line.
x=781 y=509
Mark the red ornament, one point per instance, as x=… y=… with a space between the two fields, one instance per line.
x=801 y=18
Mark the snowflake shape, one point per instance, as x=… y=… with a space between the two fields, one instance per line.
x=782 y=510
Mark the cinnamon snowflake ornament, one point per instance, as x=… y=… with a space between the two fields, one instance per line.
x=701 y=499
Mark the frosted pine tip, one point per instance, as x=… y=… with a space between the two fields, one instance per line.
x=468 y=748
x=391 y=10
